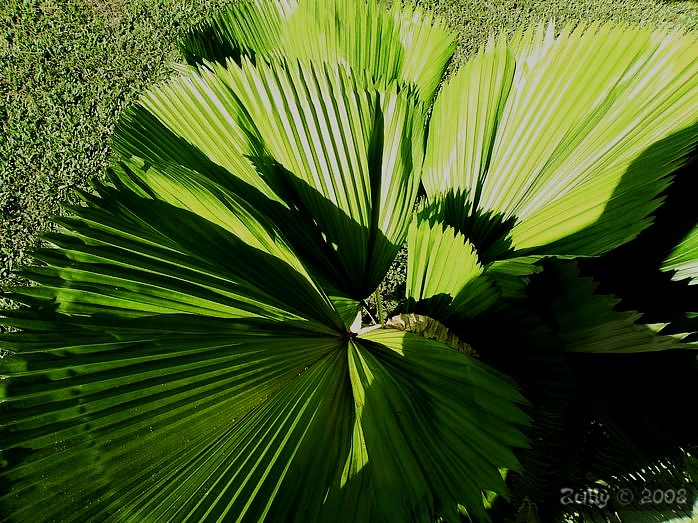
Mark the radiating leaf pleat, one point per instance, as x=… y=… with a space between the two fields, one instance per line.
x=248 y=26
x=198 y=108
x=351 y=156
x=452 y=422
x=444 y=276
x=254 y=466
x=137 y=257
x=585 y=133
x=136 y=424
x=465 y=122
x=209 y=199
x=403 y=43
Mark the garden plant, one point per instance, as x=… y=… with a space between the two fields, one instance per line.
x=193 y=348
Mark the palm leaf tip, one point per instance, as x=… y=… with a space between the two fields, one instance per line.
x=587 y=321
x=683 y=259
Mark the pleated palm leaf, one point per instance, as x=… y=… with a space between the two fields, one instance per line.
x=524 y=161
x=193 y=349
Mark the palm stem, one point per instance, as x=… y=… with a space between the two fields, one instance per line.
x=368 y=311
x=379 y=305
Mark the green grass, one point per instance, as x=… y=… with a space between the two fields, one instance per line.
x=69 y=67
x=475 y=19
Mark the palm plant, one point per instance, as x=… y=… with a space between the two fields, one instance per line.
x=194 y=349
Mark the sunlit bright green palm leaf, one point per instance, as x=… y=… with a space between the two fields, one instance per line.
x=346 y=155
x=354 y=153
x=568 y=137
x=404 y=43
x=444 y=277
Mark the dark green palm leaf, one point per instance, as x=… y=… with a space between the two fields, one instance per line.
x=187 y=352
x=684 y=258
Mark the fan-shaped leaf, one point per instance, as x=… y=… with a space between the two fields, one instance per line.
x=345 y=158
x=571 y=136
x=444 y=276
x=589 y=322
x=404 y=44
x=127 y=412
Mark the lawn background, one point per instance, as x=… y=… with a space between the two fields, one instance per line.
x=69 y=67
